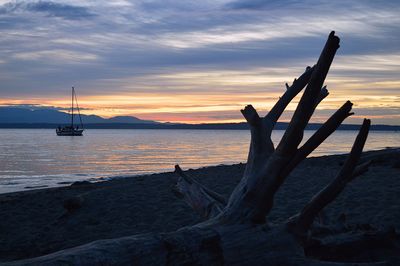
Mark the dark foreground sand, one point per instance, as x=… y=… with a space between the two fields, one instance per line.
x=34 y=223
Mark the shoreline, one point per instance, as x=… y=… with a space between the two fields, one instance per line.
x=144 y=175
x=36 y=222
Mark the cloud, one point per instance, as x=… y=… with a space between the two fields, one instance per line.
x=64 y=56
x=34 y=106
x=238 y=52
x=304 y=5
x=52 y=9
x=258 y=4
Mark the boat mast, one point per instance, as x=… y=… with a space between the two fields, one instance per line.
x=77 y=107
x=72 y=112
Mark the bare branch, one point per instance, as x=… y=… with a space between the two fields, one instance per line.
x=351 y=162
x=259 y=141
x=331 y=191
x=251 y=115
x=261 y=129
x=294 y=133
x=322 y=95
x=191 y=180
x=319 y=136
x=261 y=145
x=291 y=92
x=203 y=200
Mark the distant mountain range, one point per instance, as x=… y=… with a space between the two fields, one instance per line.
x=17 y=117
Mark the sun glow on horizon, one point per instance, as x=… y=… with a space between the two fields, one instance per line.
x=217 y=96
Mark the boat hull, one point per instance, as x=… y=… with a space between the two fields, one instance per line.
x=74 y=132
x=71 y=130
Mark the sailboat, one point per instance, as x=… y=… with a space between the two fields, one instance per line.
x=72 y=130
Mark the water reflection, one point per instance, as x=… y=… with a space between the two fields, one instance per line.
x=35 y=157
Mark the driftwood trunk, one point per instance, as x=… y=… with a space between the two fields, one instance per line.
x=235 y=230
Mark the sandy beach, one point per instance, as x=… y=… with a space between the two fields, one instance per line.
x=36 y=222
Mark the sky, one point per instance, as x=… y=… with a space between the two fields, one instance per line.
x=197 y=61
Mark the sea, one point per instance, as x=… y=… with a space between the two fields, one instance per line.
x=38 y=158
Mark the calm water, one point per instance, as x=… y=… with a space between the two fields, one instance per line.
x=30 y=158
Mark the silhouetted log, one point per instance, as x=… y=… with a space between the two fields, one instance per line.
x=198 y=245
x=252 y=201
x=203 y=200
x=261 y=147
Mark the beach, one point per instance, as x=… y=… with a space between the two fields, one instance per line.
x=37 y=222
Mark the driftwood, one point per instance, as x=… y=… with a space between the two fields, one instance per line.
x=235 y=230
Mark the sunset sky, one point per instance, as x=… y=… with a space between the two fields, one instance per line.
x=197 y=61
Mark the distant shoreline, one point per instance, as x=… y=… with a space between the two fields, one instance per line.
x=215 y=126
